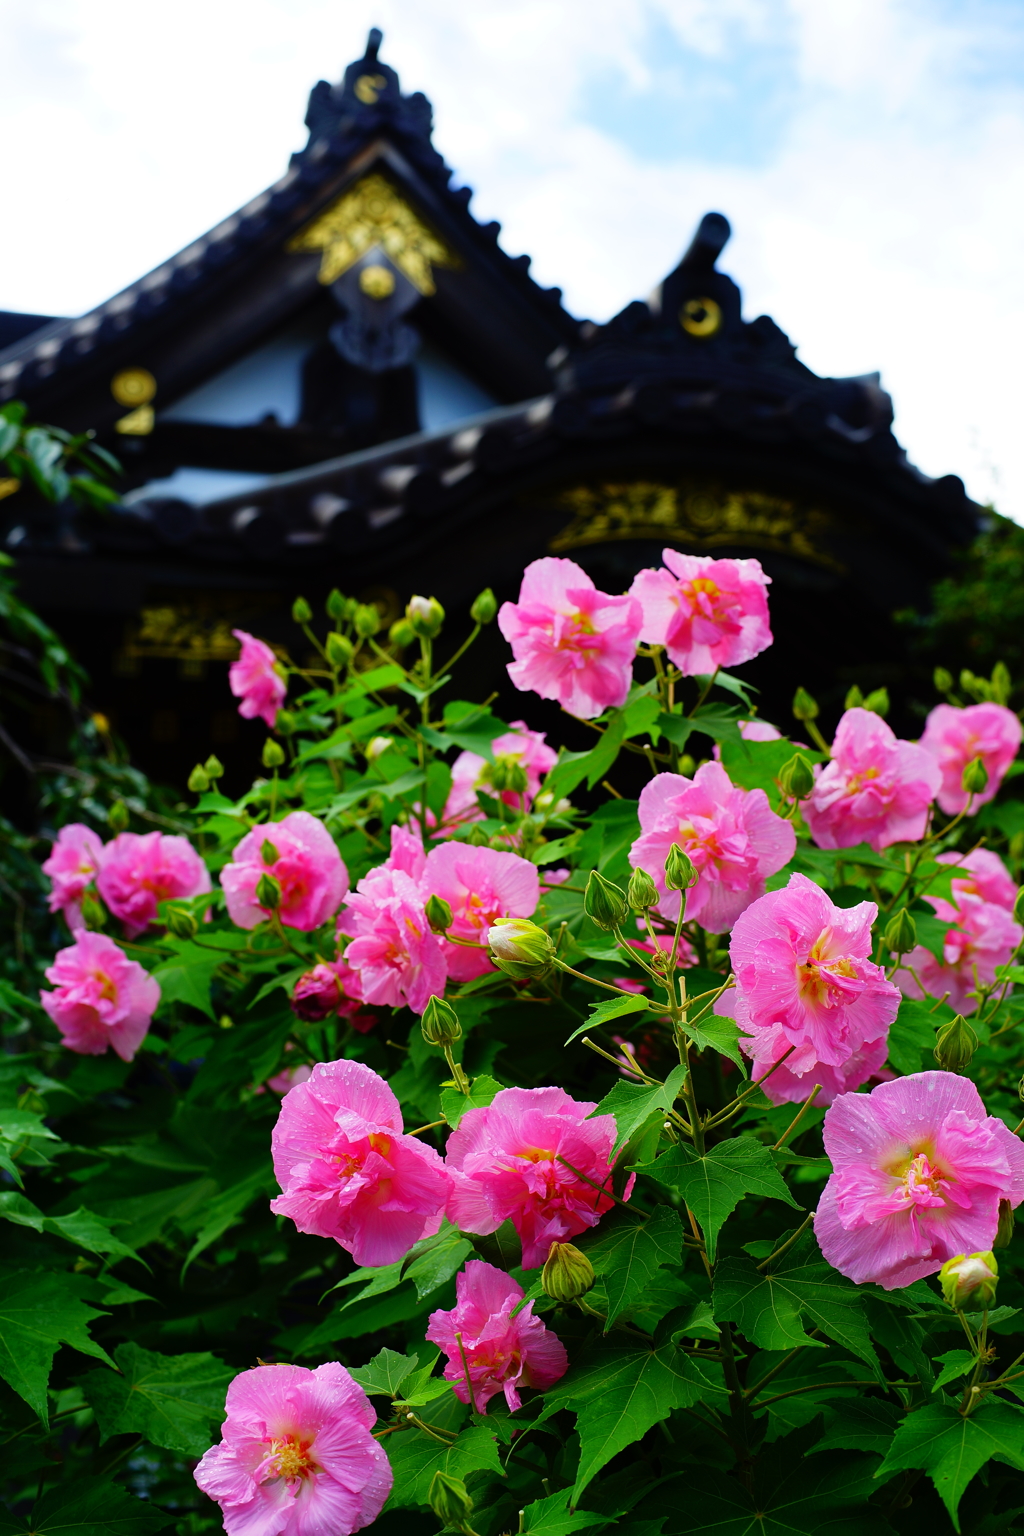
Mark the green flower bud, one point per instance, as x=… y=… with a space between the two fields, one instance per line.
x=1018 y=906
x=804 y=707
x=426 y=616
x=301 y=611
x=955 y=1045
x=687 y=766
x=680 y=874
x=439 y=914
x=285 y=723
x=440 y=1023
x=367 y=620
x=118 y=816
x=94 y=913
x=273 y=753
x=641 y=892
x=268 y=892
x=449 y=1500
x=268 y=853
x=198 y=780
x=943 y=680
x=878 y=702
x=182 y=923
x=970 y=1278
x=506 y=773
x=376 y=747
x=214 y=767
x=520 y=948
x=975 y=777
x=1004 y=1232
x=900 y=933
x=484 y=607
x=854 y=698
x=340 y=649
x=977 y=687
x=567 y=1274
x=401 y=634
x=1001 y=684
x=796 y=777
x=604 y=903
x=335 y=606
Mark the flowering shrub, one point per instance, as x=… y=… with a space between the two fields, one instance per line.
x=425 y=1139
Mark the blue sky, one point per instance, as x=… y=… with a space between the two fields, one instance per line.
x=868 y=153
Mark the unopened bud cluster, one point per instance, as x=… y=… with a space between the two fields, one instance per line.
x=567 y=1274
x=520 y=948
x=796 y=777
x=974 y=779
x=901 y=933
x=680 y=874
x=955 y=1045
x=425 y=616
x=641 y=892
x=604 y=903
x=440 y=1023
x=970 y=1280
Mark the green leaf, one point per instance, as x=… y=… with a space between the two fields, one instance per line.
x=187 y=977
x=87 y=1506
x=551 y=1517
x=859 y=1424
x=714 y=1185
x=757 y=764
x=788 y=1496
x=951 y=1449
x=416 y=1456
x=931 y=930
x=614 y=1008
x=91 y=1232
x=912 y=1036
x=641 y=712
x=436 y=1259
x=633 y=1104
x=455 y=1104
x=38 y=1313
x=955 y=1363
x=175 y=1401
x=226 y=1208
x=384 y=1374
x=721 y=1034
x=627 y=1254
x=769 y=1307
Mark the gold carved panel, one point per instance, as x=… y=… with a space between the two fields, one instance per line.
x=191 y=629
x=701 y=517
x=373 y=214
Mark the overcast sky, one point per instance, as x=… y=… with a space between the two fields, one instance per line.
x=868 y=153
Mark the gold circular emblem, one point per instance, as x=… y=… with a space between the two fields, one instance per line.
x=377 y=282
x=368 y=88
x=133 y=386
x=700 y=317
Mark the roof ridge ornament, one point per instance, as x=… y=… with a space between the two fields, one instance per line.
x=368 y=97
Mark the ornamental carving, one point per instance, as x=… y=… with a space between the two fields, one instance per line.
x=703 y=516
x=371 y=214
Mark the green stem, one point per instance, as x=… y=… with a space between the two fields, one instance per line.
x=801 y=1229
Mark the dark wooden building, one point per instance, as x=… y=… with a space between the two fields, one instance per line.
x=349 y=383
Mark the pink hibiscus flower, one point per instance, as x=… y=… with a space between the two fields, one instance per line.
x=804 y=978
x=983 y=938
x=297 y=1457
x=919 y=1170
x=100 y=997
x=396 y=958
x=283 y=1082
x=257 y=679
x=707 y=613
x=505 y=1162
x=876 y=790
x=139 y=870
x=570 y=641
x=348 y=1172
x=502 y=1352
x=72 y=867
x=471 y=772
x=332 y=987
x=733 y=837
x=983 y=874
x=480 y=885
x=955 y=737
x=307 y=866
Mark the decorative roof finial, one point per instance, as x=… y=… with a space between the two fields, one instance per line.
x=373 y=43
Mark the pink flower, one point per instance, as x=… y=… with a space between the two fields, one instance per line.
x=502 y=1352
x=101 y=998
x=876 y=790
x=318 y=994
x=308 y=867
x=955 y=737
x=570 y=642
x=348 y=1172
x=759 y=730
x=480 y=885
x=984 y=938
x=139 y=870
x=471 y=772
x=984 y=874
x=394 y=954
x=72 y=866
x=919 y=1170
x=505 y=1163
x=707 y=613
x=805 y=978
x=290 y=1077
x=406 y=853
x=733 y=837
x=297 y=1457
x=256 y=678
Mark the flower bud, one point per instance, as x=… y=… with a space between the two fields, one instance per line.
x=285 y=723
x=804 y=707
x=507 y=773
x=268 y=853
x=970 y=1279
x=680 y=874
x=181 y=923
x=641 y=892
x=854 y=698
x=367 y=620
x=484 y=607
x=603 y=902
x=943 y=680
x=316 y=995
x=1018 y=906
x=977 y=687
x=878 y=702
x=1004 y=1232
x=94 y=913
x=268 y=892
x=439 y=914
x=520 y=948
x=301 y=611
x=796 y=777
x=198 y=779
x=118 y=816
x=449 y=1500
x=335 y=606
x=214 y=767
x=900 y=933
x=1001 y=684
x=975 y=777
x=401 y=634
x=340 y=649
x=567 y=1274
x=377 y=746
x=955 y=1044
x=440 y=1023
x=273 y=753
x=426 y=616
x=687 y=766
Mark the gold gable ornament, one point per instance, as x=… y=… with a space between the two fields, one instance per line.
x=373 y=214
x=134 y=387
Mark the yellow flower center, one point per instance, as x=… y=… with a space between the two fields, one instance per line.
x=815 y=976
x=918 y=1173
x=293 y=1458
x=108 y=991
